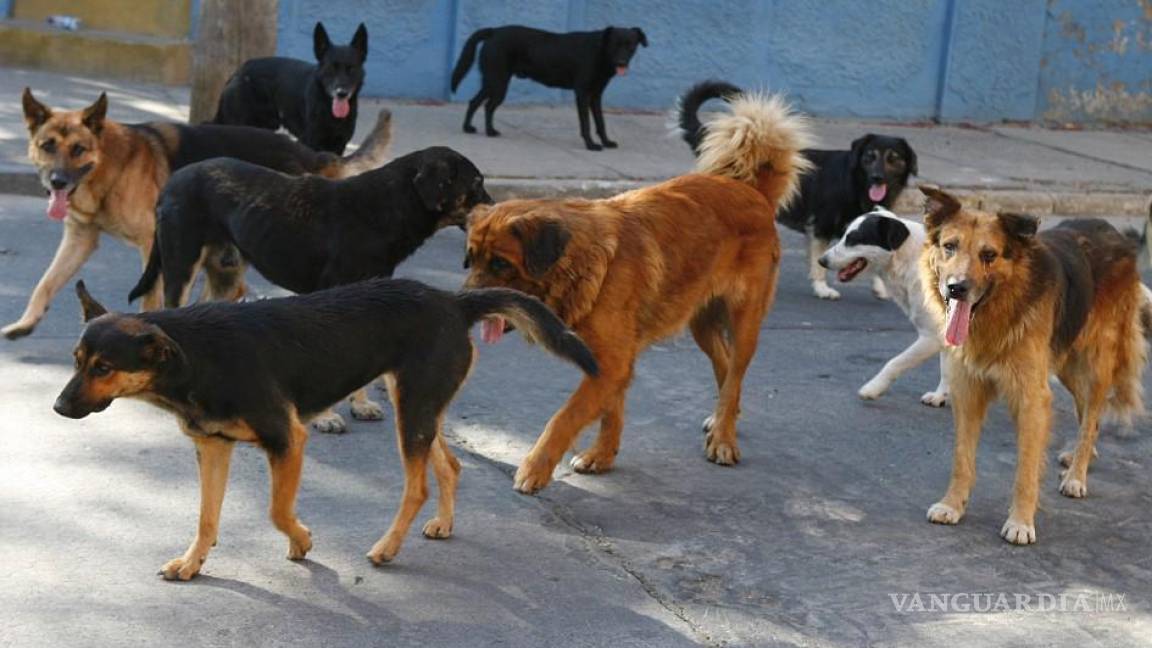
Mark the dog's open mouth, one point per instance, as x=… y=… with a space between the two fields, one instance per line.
x=849 y=272
x=58 y=203
x=493 y=327
x=877 y=192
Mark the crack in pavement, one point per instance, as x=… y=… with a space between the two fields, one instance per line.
x=594 y=538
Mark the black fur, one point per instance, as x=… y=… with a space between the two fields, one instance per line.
x=834 y=193
x=879 y=231
x=308 y=233
x=545 y=247
x=276 y=91
x=257 y=361
x=581 y=61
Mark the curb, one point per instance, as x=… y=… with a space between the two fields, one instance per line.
x=1038 y=203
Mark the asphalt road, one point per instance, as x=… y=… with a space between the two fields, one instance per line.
x=818 y=538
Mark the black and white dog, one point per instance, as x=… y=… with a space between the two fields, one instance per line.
x=315 y=102
x=842 y=185
x=891 y=247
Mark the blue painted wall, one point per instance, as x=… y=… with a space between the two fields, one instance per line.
x=954 y=60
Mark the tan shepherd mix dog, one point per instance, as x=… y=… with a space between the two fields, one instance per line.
x=1015 y=307
x=700 y=251
x=102 y=176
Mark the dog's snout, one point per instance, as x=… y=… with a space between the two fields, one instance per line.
x=341 y=93
x=958 y=289
x=823 y=261
x=57 y=180
x=64 y=407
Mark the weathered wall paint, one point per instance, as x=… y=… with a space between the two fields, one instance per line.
x=1097 y=62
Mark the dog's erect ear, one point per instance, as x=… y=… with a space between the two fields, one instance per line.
x=360 y=42
x=857 y=149
x=910 y=156
x=93 y=116
x=641 y=36
x=543 y=243
x=1021 y=227
x=431 y=182
x=939 y=207
x=35 y=113
x=320 y=42
x=892 y=232
x=156 y=348
x=88 y=305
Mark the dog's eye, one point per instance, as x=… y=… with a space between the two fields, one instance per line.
x=869 y=156
x=496 y=264
x=78 y=150
x=100 y=369
x=988 y=256
x=48 y=146
x=949 y=248
x=893 y=156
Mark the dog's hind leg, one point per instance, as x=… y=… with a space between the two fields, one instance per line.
x=329 y=422
x=76 y=246
x=496 y=93
x=1088 y=380
x=816 y=273
x=224 y=275
x=711 y=329
x=939 y=397
x=364 y=409
x=473 y=105
x=720 y=442
x=285 y=469
x=213 y=455
x=447 y=470
x=910 y=358
x=970 y=399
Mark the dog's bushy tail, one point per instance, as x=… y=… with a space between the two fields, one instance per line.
x=687 y=110
x=151 y=273
x=1127 y=398
x=757 y=142
x=532 y=318
x=468 y=55
x=372 y=154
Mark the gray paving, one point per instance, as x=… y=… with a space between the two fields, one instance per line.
x=803 y=544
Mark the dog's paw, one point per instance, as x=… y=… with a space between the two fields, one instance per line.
x=593 y=462
x=366 y=410
x=880 y=291
x=299 y=543
x=384 y=551
x=873 y=389
x=935 y=399
x=17 y=330
x=720 y=452
x=609 y=143
x=329 y=423
x=491 y=132
x=1066 y=456
x=824 y=291
x=531 y=477
x=1018 y=533
x=1073 y=487
x=437 y=529
x=182 y=568
x=941 y=513
x=593 y=146
x=470 y=129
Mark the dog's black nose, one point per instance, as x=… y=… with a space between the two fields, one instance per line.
x=57 y=182
x=341 y=94
x=958 y=290
x=823 y=262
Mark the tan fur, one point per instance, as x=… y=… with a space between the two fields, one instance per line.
x=698 y=250
x=1010 y=352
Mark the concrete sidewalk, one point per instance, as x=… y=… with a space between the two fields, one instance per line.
x=1104 y=173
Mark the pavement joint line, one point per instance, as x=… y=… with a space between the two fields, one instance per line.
x=595 y=539
x=564 y=149
x=1061 y=149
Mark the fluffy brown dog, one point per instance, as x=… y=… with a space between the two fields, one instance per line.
x=1015 y=307
x=699 y=250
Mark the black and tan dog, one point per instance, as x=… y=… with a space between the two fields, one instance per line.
x=253 y=372
x=308 y=233
x=103 y=176
x=1016 y=306
x=841 y=186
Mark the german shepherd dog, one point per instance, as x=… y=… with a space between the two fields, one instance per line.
x=1014 y=307
x=581 y=61
x=308 y=233
x=842 y=184
x=699 y=251
x=315 y=102
x=102 y=176
x=252 y=372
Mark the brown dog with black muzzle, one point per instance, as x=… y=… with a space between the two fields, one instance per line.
x=699 y=251
x=1016 y=306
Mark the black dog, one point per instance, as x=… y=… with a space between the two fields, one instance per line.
x=580 y=61
x=316 y=103
x=842 y=185
x=254 y=372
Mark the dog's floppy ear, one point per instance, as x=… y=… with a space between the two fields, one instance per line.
x=910 y=156
x=431 y=182
x=156 y=348
x=93 y=116
x=320 y=42
x=35 y=113
x=1021 y=227
x=856 y=151
x=641 y=36
x=939 y=207
x=88 y=305
x=543 y=243
x=360 y=42
x=892 y=232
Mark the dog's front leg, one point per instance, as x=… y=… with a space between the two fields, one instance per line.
x=816 y=273
x=910 y=358
x=213 y=454
x=78 y=243
x=1031 y=405
x=598 y=117
x=939 y=398
x=971 y=396
x=582 y=108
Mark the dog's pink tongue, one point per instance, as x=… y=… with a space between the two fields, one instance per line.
x=621 y=70
x=877 y=192
x=58 y=204
x=959 y=316
x=340 y=107
x=492 y=329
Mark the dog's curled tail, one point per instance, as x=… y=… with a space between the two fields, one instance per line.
x=151 y=273
x=532 y=318
x=687 y=110
x=372 y=154
x=468 y=55
x=759 y=142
